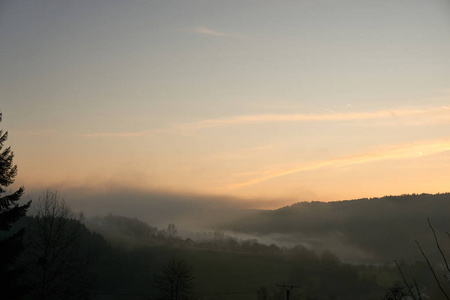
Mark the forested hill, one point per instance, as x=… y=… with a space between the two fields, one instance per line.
x=383 y=228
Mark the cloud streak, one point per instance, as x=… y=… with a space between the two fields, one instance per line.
x=402 y=151
x=443 y=113
x=123 y=134
x=207 y=31
x=431 y=115
x=37 y=132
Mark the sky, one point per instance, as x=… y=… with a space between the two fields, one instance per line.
x=275 y=101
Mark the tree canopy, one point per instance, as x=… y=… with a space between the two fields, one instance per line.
x=10 y=211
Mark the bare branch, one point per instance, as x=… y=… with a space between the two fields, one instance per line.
x=438 y=246
x=432 y=271
x=419 y=294
x=55 y=239
x=404 y=280
x=176 y=279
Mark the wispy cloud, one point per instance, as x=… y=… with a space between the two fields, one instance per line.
x=328 y=110
x=443 y=113
x=37 y=132
x=207 y=31
x=410 y=150
x=112 y=134
x=432 y=115
x=122 y=134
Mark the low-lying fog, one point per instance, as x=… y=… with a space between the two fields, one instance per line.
x=157 y=208
x=191 y=213
x=361 y=230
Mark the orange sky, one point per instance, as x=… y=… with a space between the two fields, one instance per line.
x=299 y=100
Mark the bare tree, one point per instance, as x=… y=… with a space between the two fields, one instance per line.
x=168 y=234
x=437 y=278
x=397 y=292
x=171 y=231
x=176 y=280
x=55 y=236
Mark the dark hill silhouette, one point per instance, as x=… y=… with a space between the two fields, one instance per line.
x=383 y=228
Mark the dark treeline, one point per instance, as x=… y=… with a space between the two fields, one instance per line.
x=87 y=267
x=234 y=270
x=383 y=229
x=224 y=267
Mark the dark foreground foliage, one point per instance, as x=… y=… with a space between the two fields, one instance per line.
x=12 y=285
x=214 y=268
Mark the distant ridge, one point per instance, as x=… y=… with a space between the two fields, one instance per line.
x=385 y=227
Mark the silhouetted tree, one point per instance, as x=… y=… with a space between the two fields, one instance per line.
x=171 y=231
x=396 y=292
x=55 y=237
x=10 y=211
x=176 y=280
x=437 y=278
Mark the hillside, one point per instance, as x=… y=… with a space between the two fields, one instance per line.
x=376 y=229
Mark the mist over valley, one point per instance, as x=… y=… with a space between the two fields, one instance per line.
x=374 y=230
x=224 y=150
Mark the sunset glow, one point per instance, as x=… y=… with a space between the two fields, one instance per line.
x=275 y=101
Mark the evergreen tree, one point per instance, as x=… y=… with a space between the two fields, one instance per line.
x=10 y=212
